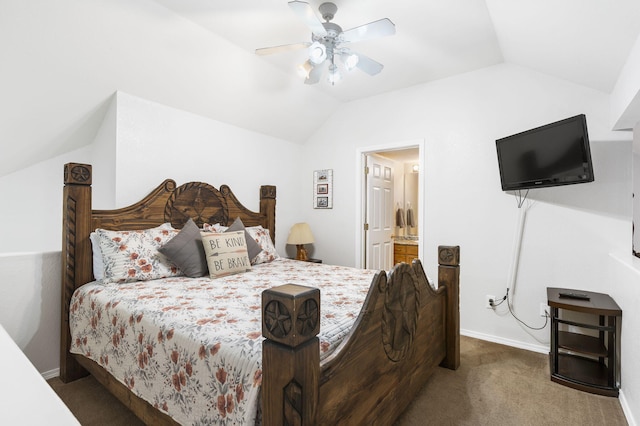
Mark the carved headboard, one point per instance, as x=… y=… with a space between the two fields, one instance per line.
x=166 y=203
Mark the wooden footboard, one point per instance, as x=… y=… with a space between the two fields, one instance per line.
x=404 y=331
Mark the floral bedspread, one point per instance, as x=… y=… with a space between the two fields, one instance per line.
x=192 y=347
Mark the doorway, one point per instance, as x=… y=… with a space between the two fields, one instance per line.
x=381 y=195
x=382 y=214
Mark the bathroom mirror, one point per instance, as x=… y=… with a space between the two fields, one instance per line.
x=410 y=195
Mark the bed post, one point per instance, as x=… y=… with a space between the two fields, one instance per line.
x=268 y=208
x=449 y=277
x=76 y=254
x=290 y=355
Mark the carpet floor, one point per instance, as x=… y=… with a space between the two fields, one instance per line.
x=495 y=385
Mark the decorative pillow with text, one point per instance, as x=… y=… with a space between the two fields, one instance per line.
x=226 y=253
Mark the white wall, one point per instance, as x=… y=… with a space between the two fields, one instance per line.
x=625 y=97
x=636 y=186
x=62 y=61
x=63 y=77
x=30 y=269
x=569 y=231
x=622 y=284
x=29 y=304
x=624 y=268
x=155 y=142
x=624 y=281
x=141 y=137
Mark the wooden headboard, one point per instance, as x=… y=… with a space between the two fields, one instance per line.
x=166 y=203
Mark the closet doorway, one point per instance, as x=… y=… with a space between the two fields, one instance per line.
x=391 y=211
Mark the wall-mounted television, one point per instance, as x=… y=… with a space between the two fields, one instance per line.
x=551 y=155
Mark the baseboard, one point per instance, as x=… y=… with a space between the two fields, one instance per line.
x=543 y=349
x=51 y=374
x=626 y=409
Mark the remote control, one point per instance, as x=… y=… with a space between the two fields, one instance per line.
x=574 y=295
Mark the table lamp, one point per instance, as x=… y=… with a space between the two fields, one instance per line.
x=300 y=235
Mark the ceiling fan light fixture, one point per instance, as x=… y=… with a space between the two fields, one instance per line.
x=327 y=42
x=350 y=60
x=304 y=69
x=317 y=53
x=334 y=74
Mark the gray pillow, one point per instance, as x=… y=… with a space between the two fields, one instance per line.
x=253 y=248
x=186 y=251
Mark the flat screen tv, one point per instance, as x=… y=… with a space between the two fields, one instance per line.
x=551 y=155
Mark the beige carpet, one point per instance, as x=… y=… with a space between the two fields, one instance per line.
x=495 y=385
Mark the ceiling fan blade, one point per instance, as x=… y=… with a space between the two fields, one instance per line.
x=282 y=48
x=368 y=65
x=308 y=16
x=314 y=75
x=381 y=28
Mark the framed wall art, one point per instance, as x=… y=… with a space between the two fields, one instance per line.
x=323 y=189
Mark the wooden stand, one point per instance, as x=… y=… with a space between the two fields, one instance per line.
x=582 y=361
x=404 y=331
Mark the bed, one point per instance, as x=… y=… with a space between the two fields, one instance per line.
x=401 y=330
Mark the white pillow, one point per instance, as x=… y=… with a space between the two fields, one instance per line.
x=98 y=265
x=263 y=238
x=216 y=227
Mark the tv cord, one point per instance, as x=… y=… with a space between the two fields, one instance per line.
x=506 y=297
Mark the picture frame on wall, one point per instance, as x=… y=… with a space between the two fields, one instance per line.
x=323 y=203
x=323 y=189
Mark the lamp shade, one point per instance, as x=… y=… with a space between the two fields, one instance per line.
x=300 y=234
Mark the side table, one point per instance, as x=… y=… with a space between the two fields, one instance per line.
x=578 y=359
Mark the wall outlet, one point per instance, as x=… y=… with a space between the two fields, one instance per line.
x=543 y=309
x=487 y=303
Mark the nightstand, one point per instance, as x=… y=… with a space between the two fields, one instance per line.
x=579 y=359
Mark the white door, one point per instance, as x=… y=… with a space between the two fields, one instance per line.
x=380 y=225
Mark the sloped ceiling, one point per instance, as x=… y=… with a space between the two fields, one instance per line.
x=63 y=61
x=433 y=40
x=582 y=41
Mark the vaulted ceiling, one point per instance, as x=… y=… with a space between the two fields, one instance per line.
x=586 y=42
x=63 y=61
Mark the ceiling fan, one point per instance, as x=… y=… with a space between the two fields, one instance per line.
x=329 y=42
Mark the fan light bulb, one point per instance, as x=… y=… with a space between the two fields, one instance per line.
x=317 y=53
x=334 y=74
x=350 y=61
